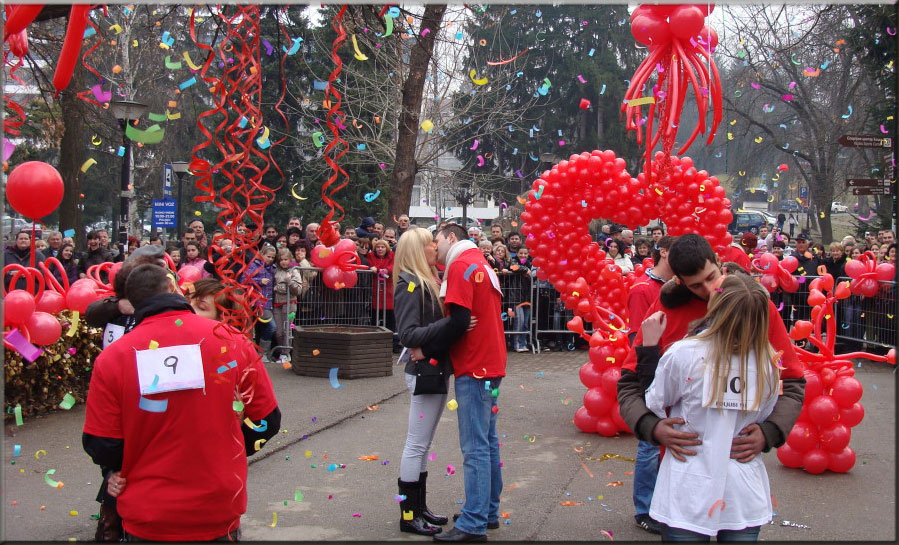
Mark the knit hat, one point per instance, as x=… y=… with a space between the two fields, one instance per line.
x=749 y=241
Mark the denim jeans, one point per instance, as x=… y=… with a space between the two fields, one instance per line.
x=646 y=470
x=522 y=323
x=670 y=534
x=483 y=477
x=265 y=331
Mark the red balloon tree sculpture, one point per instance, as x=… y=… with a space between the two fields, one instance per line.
x=820 y=438
x=680 y=47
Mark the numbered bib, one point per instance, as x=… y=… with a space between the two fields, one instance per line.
x=734 y=398
x=169 y=369
x=112 y=333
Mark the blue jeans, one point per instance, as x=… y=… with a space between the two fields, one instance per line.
x=670 y=534
x=480 y=453
x=646 y=470
x=522 y=323
x=265 y=331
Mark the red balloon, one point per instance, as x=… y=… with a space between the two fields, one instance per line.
x=331 y=276
x=853 y=415
x=835 y=438
x=843 y=461
x=187 y=273
x=606 y=427
x=813 y=385
x=19 y=17
x=88 y=282
x=846 y=391
x=44 y=328
x=686 y=21
x=71 y=47
x=348 y=278
x=18 y=43
x=709 y=36
x=789 y=456
x=823 y=410
x=886 y=272
x=34 y=189
x=790 y=263
x=598 y=402
x=610 y=380
x=854 y=268
x=585 y=421
x=648 y=30
x=590 y=376
x=815 y=461
x=803 y=437
x=18 y=306
x=51 y=302
x=79 y=298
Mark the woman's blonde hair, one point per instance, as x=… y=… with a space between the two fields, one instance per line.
x=500 y=245
x=738 y=326
x=381 y=242
x=284 y=253
x=410 y=258
x=836 y=246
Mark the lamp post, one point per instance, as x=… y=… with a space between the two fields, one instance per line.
x=180 y=168
x=125 y=111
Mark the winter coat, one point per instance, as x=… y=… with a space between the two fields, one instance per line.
x=383 y=264
x=288 y=285
x=418 y=322
x=256 y=273
x=14 y=255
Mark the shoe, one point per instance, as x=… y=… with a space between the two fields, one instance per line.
x=459 y=536
x=490 y=525
x=649 y=524
x=412 y=504
x=545 y=349
x=266 y=348
x=521 y=350
x=426 y=513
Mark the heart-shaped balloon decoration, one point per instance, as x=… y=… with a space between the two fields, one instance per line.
x=566 y=198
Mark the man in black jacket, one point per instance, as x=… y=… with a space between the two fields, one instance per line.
x=94 y=255
x=20 y=253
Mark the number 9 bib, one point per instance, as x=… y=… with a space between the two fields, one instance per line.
x=169 y=369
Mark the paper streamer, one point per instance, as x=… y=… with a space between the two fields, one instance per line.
x=18 y=341
x=16 y=450
x=17 y=412
x=76 y=316
x=50 y=481
x=153 y=405
x=172 y=65
x=152 y=135
x=37 y=455
x=258 y=444
x=88 y=164
x=274 y=520
x=332 y=376
x=68 y=401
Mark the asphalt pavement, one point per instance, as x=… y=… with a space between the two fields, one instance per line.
x=559 y=483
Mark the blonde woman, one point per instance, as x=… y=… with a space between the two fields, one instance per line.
x=720 y=381
x=425 y=332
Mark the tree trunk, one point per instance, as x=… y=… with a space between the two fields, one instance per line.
x=71 y=156
x=405 y=166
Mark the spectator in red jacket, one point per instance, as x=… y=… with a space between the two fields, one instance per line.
x=380 y=261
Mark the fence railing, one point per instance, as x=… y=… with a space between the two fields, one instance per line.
x=871 y=320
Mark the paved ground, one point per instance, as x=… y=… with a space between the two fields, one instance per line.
x=540 y=473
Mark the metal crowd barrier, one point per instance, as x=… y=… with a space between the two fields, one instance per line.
x=869 y=320
x=518 y=308
x=321 y=305
x=551 y=318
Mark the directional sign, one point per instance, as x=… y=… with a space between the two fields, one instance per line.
x=866 y=182
x=870 y=190
x=168 y=173
x=865 y=141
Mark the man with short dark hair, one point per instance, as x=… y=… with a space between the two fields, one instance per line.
x=656 y=232
x=471 y=288
x=496 y=234
x=888 y=237
x=166 y=415
x=697 y=272
x=156 y=241
x=515 y=242
x=294 y=222
x=378 y=229
x=94 y=255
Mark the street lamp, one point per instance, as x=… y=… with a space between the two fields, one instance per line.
x=125 y=111
x=180 y=168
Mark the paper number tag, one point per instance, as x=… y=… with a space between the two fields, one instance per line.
x=112 y=333
x=733 y=398
x=169 y=369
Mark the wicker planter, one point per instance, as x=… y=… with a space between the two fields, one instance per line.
x=359 y=351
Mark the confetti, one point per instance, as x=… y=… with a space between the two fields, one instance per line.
x=274 y=520
x=369 y=458
x=51 y=482
x=605 y=533
x=68 y=401
x=332 y=376
x=258 y=444
x=297 y=496
x=452 y=405
x=716 y=504
x=570 y=503
x=450 y=470
x=615 y=483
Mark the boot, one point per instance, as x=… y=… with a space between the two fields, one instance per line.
x=411 y=510
x=425 y=512
x=265 y=346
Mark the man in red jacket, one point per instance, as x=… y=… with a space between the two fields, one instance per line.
x=697 y=271
x=166 y=412
x=643 y=293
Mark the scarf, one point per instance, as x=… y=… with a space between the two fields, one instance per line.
x=454 y=252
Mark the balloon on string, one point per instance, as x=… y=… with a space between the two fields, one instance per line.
x=34 y=189
x=43 y=328
x=51 y=302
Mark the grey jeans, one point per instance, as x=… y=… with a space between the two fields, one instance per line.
x=424 y=414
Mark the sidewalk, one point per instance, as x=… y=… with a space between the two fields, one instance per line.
x=542 y=467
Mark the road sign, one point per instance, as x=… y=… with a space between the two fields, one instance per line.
x=165 y=213
x=871 y=191
x=866 y=182
x=865 y=141
x=168 y=175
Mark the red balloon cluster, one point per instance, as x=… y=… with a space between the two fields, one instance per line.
x=34 y=189
x=600 y=412
x=680 y=46
x=819 y=440
x=20 y=311
x=865 y=272
x=777 y=274
x=339 y=263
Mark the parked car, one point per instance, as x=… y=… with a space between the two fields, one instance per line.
x=838 y=207
x=747 y=220
x=789 y=206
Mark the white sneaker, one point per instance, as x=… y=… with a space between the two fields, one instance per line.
x=285 y=358
x=521 y=350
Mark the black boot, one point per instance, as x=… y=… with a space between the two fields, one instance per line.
x=425 y=512
x=411 y=519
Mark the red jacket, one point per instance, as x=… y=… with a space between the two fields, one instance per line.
x=382 y=263
x=732 y=253
x=641 y=296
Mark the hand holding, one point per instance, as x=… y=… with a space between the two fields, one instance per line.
x=416 y=354
x=115 y=484
x=750 y=443
x=675 y=440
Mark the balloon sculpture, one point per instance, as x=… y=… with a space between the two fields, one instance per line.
x=819 y=440
x=777 y=274
x=562 y=203
x=680 y=46
x=339 y=263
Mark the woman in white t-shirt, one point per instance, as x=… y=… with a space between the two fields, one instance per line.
x=719 y=381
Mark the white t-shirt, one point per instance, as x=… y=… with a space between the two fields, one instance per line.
x=687 y=493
